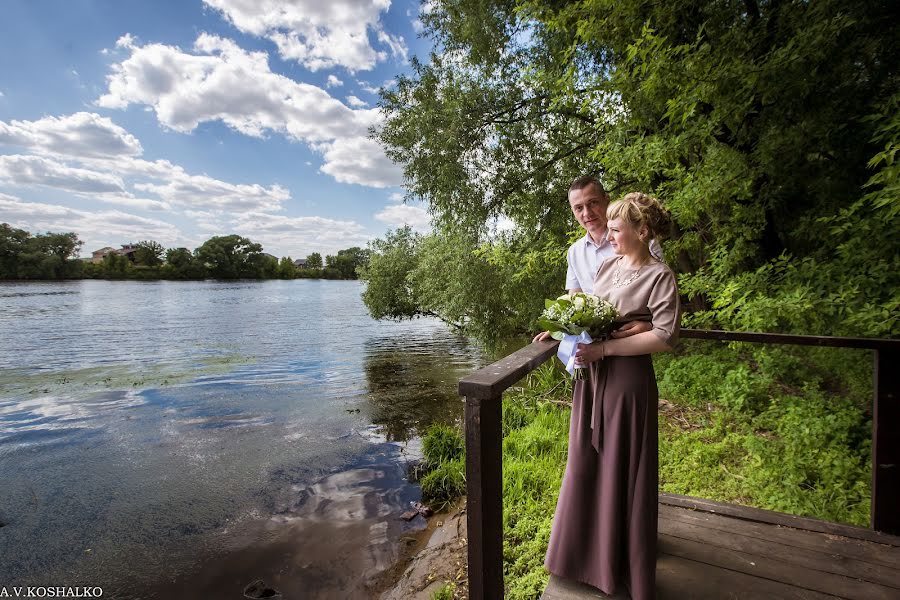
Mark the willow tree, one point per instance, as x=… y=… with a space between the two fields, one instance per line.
x=760 y=124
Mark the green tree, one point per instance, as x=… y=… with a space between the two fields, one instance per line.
x=12 y=244
x=389 y=293
x=116 y=266
x=230 y=257
x=314 y=261
x=181 y=264
x=148 y=253
x=737 y=115
x=347 y=262
x=42 y=256
x=286 y=269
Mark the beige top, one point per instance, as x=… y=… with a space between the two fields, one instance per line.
x=652 y=296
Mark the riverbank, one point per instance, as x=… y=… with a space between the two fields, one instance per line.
x=435 y=561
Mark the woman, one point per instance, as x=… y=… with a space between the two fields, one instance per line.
x=604 y=528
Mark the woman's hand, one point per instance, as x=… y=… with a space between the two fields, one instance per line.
x=588 y=353
x=544 y=335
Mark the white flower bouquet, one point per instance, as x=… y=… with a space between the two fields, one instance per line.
x=577 y=319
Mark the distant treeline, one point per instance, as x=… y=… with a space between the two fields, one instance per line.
x=48 y=256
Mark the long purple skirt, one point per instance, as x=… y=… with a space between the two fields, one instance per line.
x=604 y=528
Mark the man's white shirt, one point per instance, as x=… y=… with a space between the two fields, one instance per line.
x=585 y=257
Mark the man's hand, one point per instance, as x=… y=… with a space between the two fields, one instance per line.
x=544 y=335
x=631 y=328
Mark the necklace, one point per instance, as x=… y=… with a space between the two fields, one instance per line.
x=617 y=283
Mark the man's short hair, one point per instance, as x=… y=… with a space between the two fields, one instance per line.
x=584 y=181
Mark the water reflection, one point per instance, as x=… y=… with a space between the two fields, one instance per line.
x=411 y=387
x=173 y=432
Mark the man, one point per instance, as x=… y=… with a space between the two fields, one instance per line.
x=588 y=201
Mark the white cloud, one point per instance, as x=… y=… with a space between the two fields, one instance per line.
x=201 y=191
x=356 y=102
x=95 y=229
x=398 y=215
x=359 y=160
x=333 y=81
x=418 y=26
x=395 y=43
x=222 y=82
x=27 y=170
x=81 y=134
x=108 y=164
x=299 y=236
x=314 y=33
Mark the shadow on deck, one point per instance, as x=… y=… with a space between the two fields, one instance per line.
x=714 y=551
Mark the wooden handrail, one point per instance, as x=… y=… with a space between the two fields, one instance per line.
x=483 y=391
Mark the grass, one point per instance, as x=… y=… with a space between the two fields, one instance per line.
x=780 y=429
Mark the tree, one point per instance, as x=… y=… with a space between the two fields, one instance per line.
x=389 y=293
x=314 y=261
x=12 y=245
x=286 y=269
x=181 y=264
x=230 y=257
x=735 y=114
x=148 y=253
x=42 y=256
x=347 y=261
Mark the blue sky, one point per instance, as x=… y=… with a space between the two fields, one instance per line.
x=175 y=121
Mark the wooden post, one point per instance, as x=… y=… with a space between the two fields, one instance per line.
x=484 y=505
x=886 y=443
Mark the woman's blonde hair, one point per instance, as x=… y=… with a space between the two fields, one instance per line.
x=638 y=209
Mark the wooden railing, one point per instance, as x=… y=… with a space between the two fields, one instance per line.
x=483 y=391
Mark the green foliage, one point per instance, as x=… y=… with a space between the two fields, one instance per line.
x=230 y=257
x=388 y=292
x=347 y=262
x=148 y=253
x=444 y=466
x=445 y=592
x=314 y=261
x=444 y=484
x=770 y=131
x=41 y=256
x=441 y=444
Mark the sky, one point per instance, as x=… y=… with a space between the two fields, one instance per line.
x=178 y=120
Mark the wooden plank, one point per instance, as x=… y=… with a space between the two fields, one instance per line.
x=776 y=518
x=887 y=557
x=484 y=502
x=775 y=569
x=886 y=443
x=816 y=560
x=679 y=578
x=794 y=340
x=494 y=379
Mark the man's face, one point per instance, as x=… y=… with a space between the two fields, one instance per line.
x=589 y=207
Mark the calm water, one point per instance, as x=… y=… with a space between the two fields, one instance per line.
x=183 y=439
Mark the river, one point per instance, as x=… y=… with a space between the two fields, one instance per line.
x=182 y=439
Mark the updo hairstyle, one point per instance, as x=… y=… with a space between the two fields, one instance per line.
x=638 y=208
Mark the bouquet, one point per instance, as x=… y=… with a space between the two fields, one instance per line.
x=577 y=319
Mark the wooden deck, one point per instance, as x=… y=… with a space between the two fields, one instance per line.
x=714 y=551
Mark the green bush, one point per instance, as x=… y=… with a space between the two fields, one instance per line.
x=442 y=444
x=445 y=483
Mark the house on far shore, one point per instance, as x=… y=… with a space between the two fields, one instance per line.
x=127 y=250
x=300 y=263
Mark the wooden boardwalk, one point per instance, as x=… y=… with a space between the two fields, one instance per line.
x=714 y=551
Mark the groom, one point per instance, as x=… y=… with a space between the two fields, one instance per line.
x=588 y=201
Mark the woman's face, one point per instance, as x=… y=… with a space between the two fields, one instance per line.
x=623 y=238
